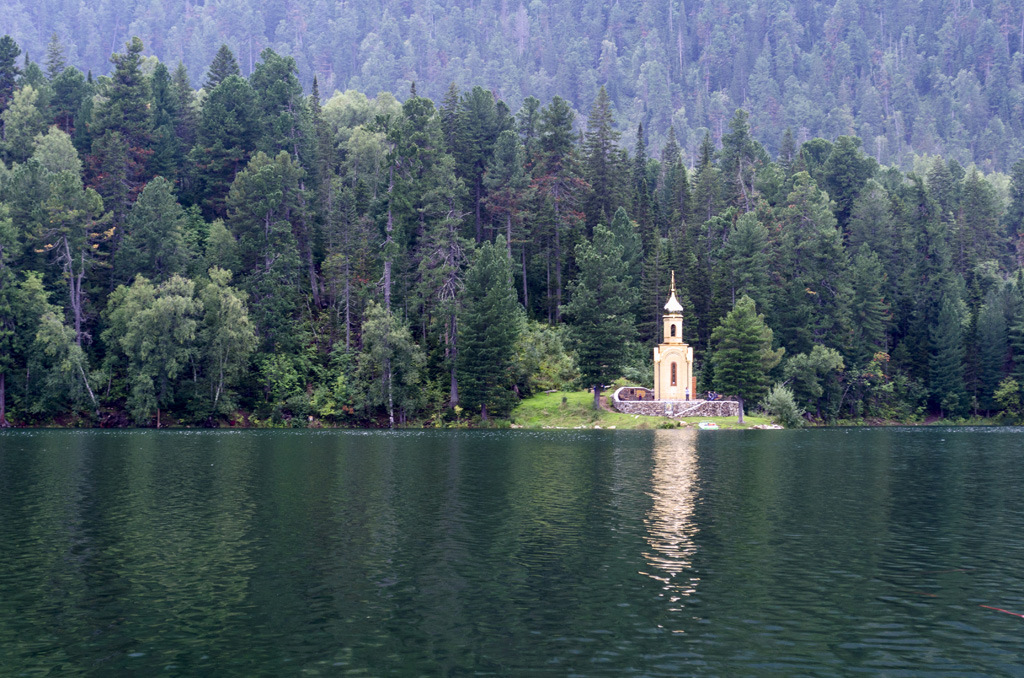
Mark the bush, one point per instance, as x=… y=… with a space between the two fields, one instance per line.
x=780 y=405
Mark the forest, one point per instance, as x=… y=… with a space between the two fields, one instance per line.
x=248 y=253
x=935 y=77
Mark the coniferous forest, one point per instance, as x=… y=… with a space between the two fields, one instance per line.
x=240 y=247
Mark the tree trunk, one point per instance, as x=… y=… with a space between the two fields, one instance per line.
x=483 y=412
x=741 y=409
x=597 y=396
x=453 y=397
x=526 y=293
x=3 y=401
x=391 y=400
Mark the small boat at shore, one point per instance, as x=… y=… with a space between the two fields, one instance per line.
x=707 y=426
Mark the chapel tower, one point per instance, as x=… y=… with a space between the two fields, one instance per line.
x=673 y=359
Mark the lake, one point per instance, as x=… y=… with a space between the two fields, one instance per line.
x=825 y=552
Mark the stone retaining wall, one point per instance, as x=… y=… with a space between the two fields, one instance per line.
x=677 y=408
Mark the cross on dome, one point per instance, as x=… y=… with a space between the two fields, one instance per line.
x=673 y=306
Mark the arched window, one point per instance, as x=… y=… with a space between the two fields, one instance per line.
x=672 y=332
x=673 y=382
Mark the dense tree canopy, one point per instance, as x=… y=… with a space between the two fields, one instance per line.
x=251 y=251
x=911 y=76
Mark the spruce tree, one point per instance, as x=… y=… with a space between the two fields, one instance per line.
x=743 y=355
x=9 y=70
x=225 y=139
x=993 y=347
x=599 y=310
x=223 y=65
x=489 y=327
x=946 y=362
x=869 y=309
x=55 y=60
x=602 y=168
x=153 y=244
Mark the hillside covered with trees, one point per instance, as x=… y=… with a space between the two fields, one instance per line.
x=935 y=77
x=177 y=254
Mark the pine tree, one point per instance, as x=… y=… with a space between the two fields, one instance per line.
x=489 y=326
x=9 y=71
x=69 y=92
x=168 y=153
x=600 y=321
x=747 y=258
x=706 y=184
x=743 y=355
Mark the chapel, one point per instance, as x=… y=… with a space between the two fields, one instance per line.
x=673 y=359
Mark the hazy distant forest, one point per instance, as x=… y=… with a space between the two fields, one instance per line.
x=348 y=213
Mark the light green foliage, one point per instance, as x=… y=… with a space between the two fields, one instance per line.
x=1010 y=397
x=227 y=338
x=335 y=398
x=22 y=121
x=66 y=362
x=389 y=366
x=781 y=406
x=155 y=329
x=815 y=379
x=541 y=361
x=56 y=153
x=22 y=304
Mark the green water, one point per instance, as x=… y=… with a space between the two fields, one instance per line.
x=816 y=553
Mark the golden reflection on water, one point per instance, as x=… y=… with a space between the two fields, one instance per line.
x=671 y=530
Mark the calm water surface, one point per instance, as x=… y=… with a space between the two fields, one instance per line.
x=761 y=553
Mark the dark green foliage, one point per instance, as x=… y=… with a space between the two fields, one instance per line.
x=349 y=235
x=489 y=327
x=225 y=139
x=9 y=70
x=598 y=312
x=946 y=364
x=743 y=354
x=223 y=65
x=265 y=202
x=153 y=244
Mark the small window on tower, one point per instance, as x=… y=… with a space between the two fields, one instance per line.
x=673 y=382
x=672 y=332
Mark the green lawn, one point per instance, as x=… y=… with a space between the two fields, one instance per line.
x=547 y=410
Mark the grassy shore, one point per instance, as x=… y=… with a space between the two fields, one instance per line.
x=575 y=409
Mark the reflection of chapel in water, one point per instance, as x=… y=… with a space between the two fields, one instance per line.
x=673 y=359
x=671 y=528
